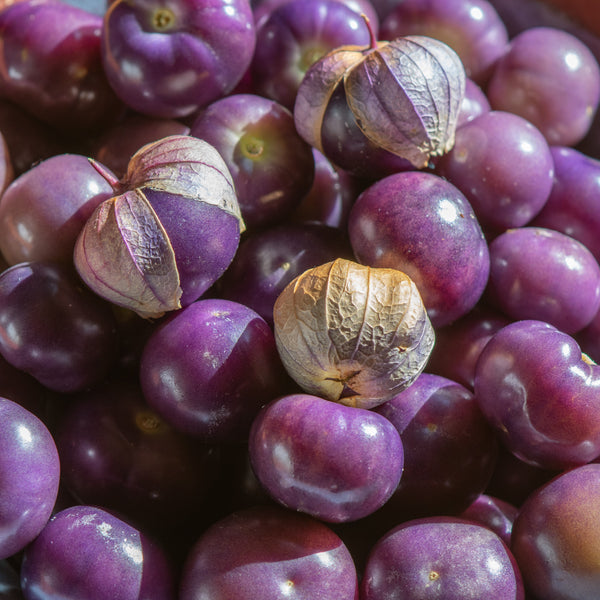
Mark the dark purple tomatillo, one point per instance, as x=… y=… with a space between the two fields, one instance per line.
x=168 y=58
x=50 y=65
x=541 y=394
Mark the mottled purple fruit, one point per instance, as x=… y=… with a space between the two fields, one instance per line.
x=441 y=557
x=168 y=59
x=543 y=274
x=51 y=66
x=449 y=448
x=88 y=553
x=551 y=78
x=541 y=394
x=421 y=224
x=572 y=206
x=267 y=553
x=503 y=165
x=271 y=165
x=54 y=328
x=337 y=463
x=494 y=513
x=473 y=29
x=45 y=208
x=210 y=367
x=556 y=537
x=116 y=452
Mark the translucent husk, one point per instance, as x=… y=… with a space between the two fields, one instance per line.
x=405 y=95
x=123 y=252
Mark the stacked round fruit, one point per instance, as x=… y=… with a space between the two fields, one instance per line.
x=299 y=299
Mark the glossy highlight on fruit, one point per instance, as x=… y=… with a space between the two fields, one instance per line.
x=170 y=58
x=337 y=463
x=541 y=394
x=29 y=477
x=275 y=552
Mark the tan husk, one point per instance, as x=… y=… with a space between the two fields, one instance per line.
x=187 y=166
x=125 y=232
x=405 y=95
x=351 y=333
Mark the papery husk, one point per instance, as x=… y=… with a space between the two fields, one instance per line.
x=124 y=254
x=318 y=85
x=405 y=95
x=351 y=333
x=187 y=166
x=413 y=110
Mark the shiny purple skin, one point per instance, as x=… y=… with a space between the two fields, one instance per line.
x=458 y=345
x=503 y=165
x=542 y=274
x=168 y=59
x=29 y=477
x=29 y=139
x=572 y=206
x=209 y=368
x=118 y=143
x=550 y=78
x=87 y=553
x=269 y=259
x=271 y=165
x=263 y=8
x=54 y=328
x=474 y=103
x=45 y=208
x=556 y=537
x=294 y=36
x=331 y=196
x=441 y=557
x=421 y=224
x=449 y=448
x=494 y=513
x=267 y=553
x=116 y=452
x=540 y=395
x=472 y=28
x=50 y=65
x=204 y=238
x=334 y=462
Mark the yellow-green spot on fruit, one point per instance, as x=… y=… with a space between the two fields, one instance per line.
x=251 y=146
x=149 y=423
x=163 y=19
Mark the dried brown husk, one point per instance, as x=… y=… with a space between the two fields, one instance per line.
x=405 y=95
x=351 y=333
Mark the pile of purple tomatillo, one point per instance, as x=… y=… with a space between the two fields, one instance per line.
x=299 y=299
